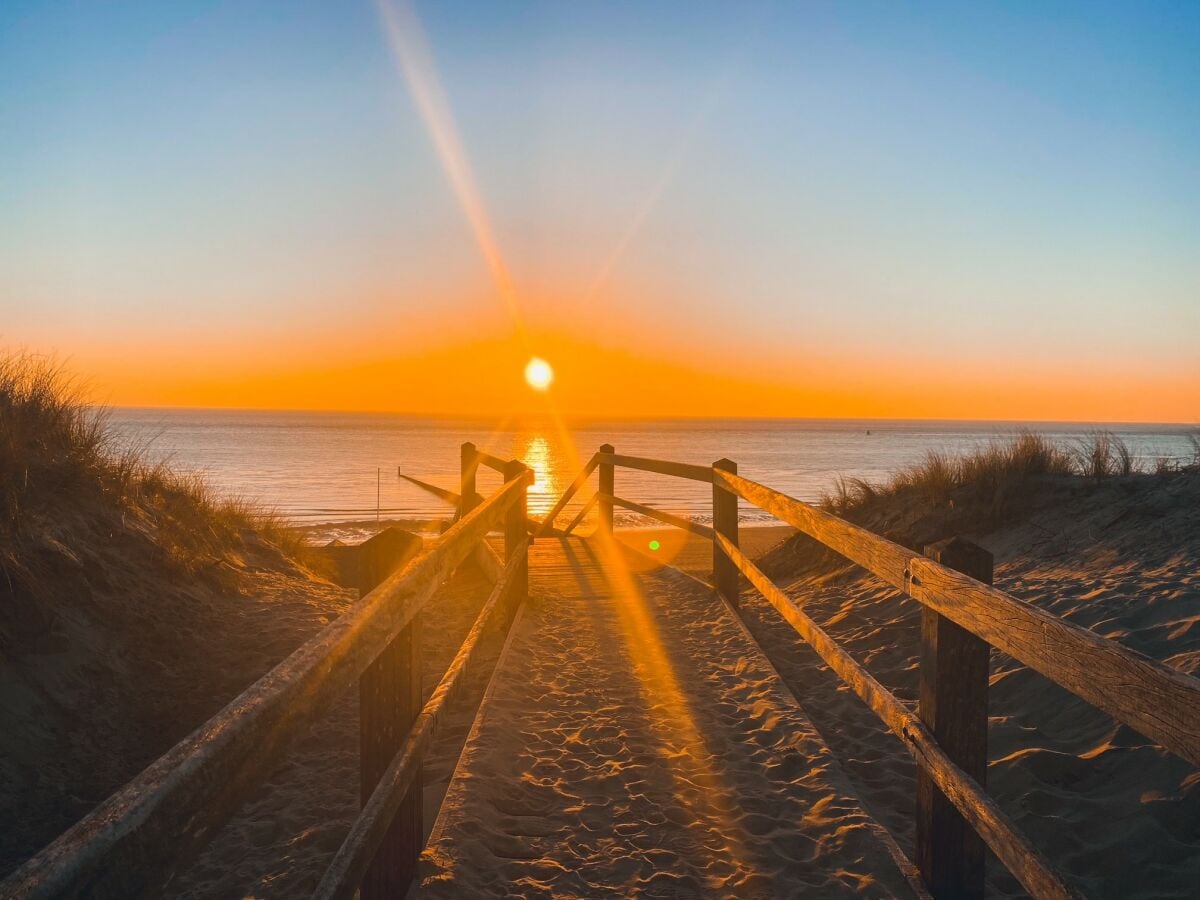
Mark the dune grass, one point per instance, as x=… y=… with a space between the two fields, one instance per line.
x=58 y=458
x=993 y=473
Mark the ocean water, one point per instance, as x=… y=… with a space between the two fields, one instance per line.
x=324 y=467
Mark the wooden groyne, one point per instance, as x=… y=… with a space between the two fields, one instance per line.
x=136 y=840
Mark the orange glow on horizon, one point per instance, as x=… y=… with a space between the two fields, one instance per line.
x=484 y=376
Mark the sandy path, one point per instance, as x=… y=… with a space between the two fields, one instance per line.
x=635 y=740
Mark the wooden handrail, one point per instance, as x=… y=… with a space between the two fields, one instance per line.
x=440 y=492
x=132 y=842
x=1009 y=845
x=1149 y=696
x=342 y=878
x=532 y=525
x=579 y=481
x=661 y=466
x=494 y=463
x=650 y=512
x=583 y=511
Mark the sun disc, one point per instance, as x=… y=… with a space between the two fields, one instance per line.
x=538 y=374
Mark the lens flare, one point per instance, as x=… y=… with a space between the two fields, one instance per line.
x=538 y=374
x=412 y=53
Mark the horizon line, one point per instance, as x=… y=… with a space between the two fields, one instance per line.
x=590 y=417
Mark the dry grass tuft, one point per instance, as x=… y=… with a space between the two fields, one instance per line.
x=990 y=470
x=996 y=486
x=990 y=487
x=1103 y=454
x=57 y=460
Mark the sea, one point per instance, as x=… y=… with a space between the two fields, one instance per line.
x=338 y=474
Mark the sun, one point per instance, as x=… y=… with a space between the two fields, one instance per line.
x=538 y=374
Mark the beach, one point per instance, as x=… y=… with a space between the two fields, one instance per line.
x=635 y=733
x=1118 y=561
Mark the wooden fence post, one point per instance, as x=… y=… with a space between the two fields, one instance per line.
x=515 y=530
x=953 y=703
x=468 y=465
x=389 y=700
x=605 y=485
x=726 y=577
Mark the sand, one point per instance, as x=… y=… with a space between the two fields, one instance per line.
x=137 y=662
x=650 y=747
x=1118 y=815
x=281 y=841
x=635 y=741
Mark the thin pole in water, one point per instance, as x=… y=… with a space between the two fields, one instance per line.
x=377 y=483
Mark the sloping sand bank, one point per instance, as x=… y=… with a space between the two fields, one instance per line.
x=636 y=741
x=1117 y=814
x=281 y=841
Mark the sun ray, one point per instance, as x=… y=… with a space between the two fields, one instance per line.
x=683 y=143
x=412 y=53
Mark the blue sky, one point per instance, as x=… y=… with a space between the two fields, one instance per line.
x=1012 y=184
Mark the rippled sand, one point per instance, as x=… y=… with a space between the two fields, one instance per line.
x=635 y=740
x=1117 y=814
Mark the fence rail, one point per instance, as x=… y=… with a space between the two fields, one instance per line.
x=665 y=517
x=369 y=830
x=1160 y=702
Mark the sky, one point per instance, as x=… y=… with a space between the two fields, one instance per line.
x=967 y=211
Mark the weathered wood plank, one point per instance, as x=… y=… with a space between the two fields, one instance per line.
x=666 y=517
x=389 y=701
x=489 y=561
x=137 y=838
x=532 y=525
x=579 y=481
x=582 y=512
x=468 y=465
x=440 y=492
x=368 y=832
x=1160 y=702
x=1012 y=848
x=878 y=555
x=605 y=487
x=954 y=707
x=515 y=542
x=661 y=466
x=495 y=463
x=725 y=523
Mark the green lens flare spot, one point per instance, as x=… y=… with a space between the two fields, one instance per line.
x=654 y=545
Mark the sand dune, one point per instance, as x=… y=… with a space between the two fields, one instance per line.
x=1120 y=816
x=282 y=840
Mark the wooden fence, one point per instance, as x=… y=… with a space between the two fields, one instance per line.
x=963 y=616
x=134 y=842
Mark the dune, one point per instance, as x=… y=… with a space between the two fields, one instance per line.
x=1119 y=815
x=133 y=605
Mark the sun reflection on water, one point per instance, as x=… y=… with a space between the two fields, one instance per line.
x=538 y=455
